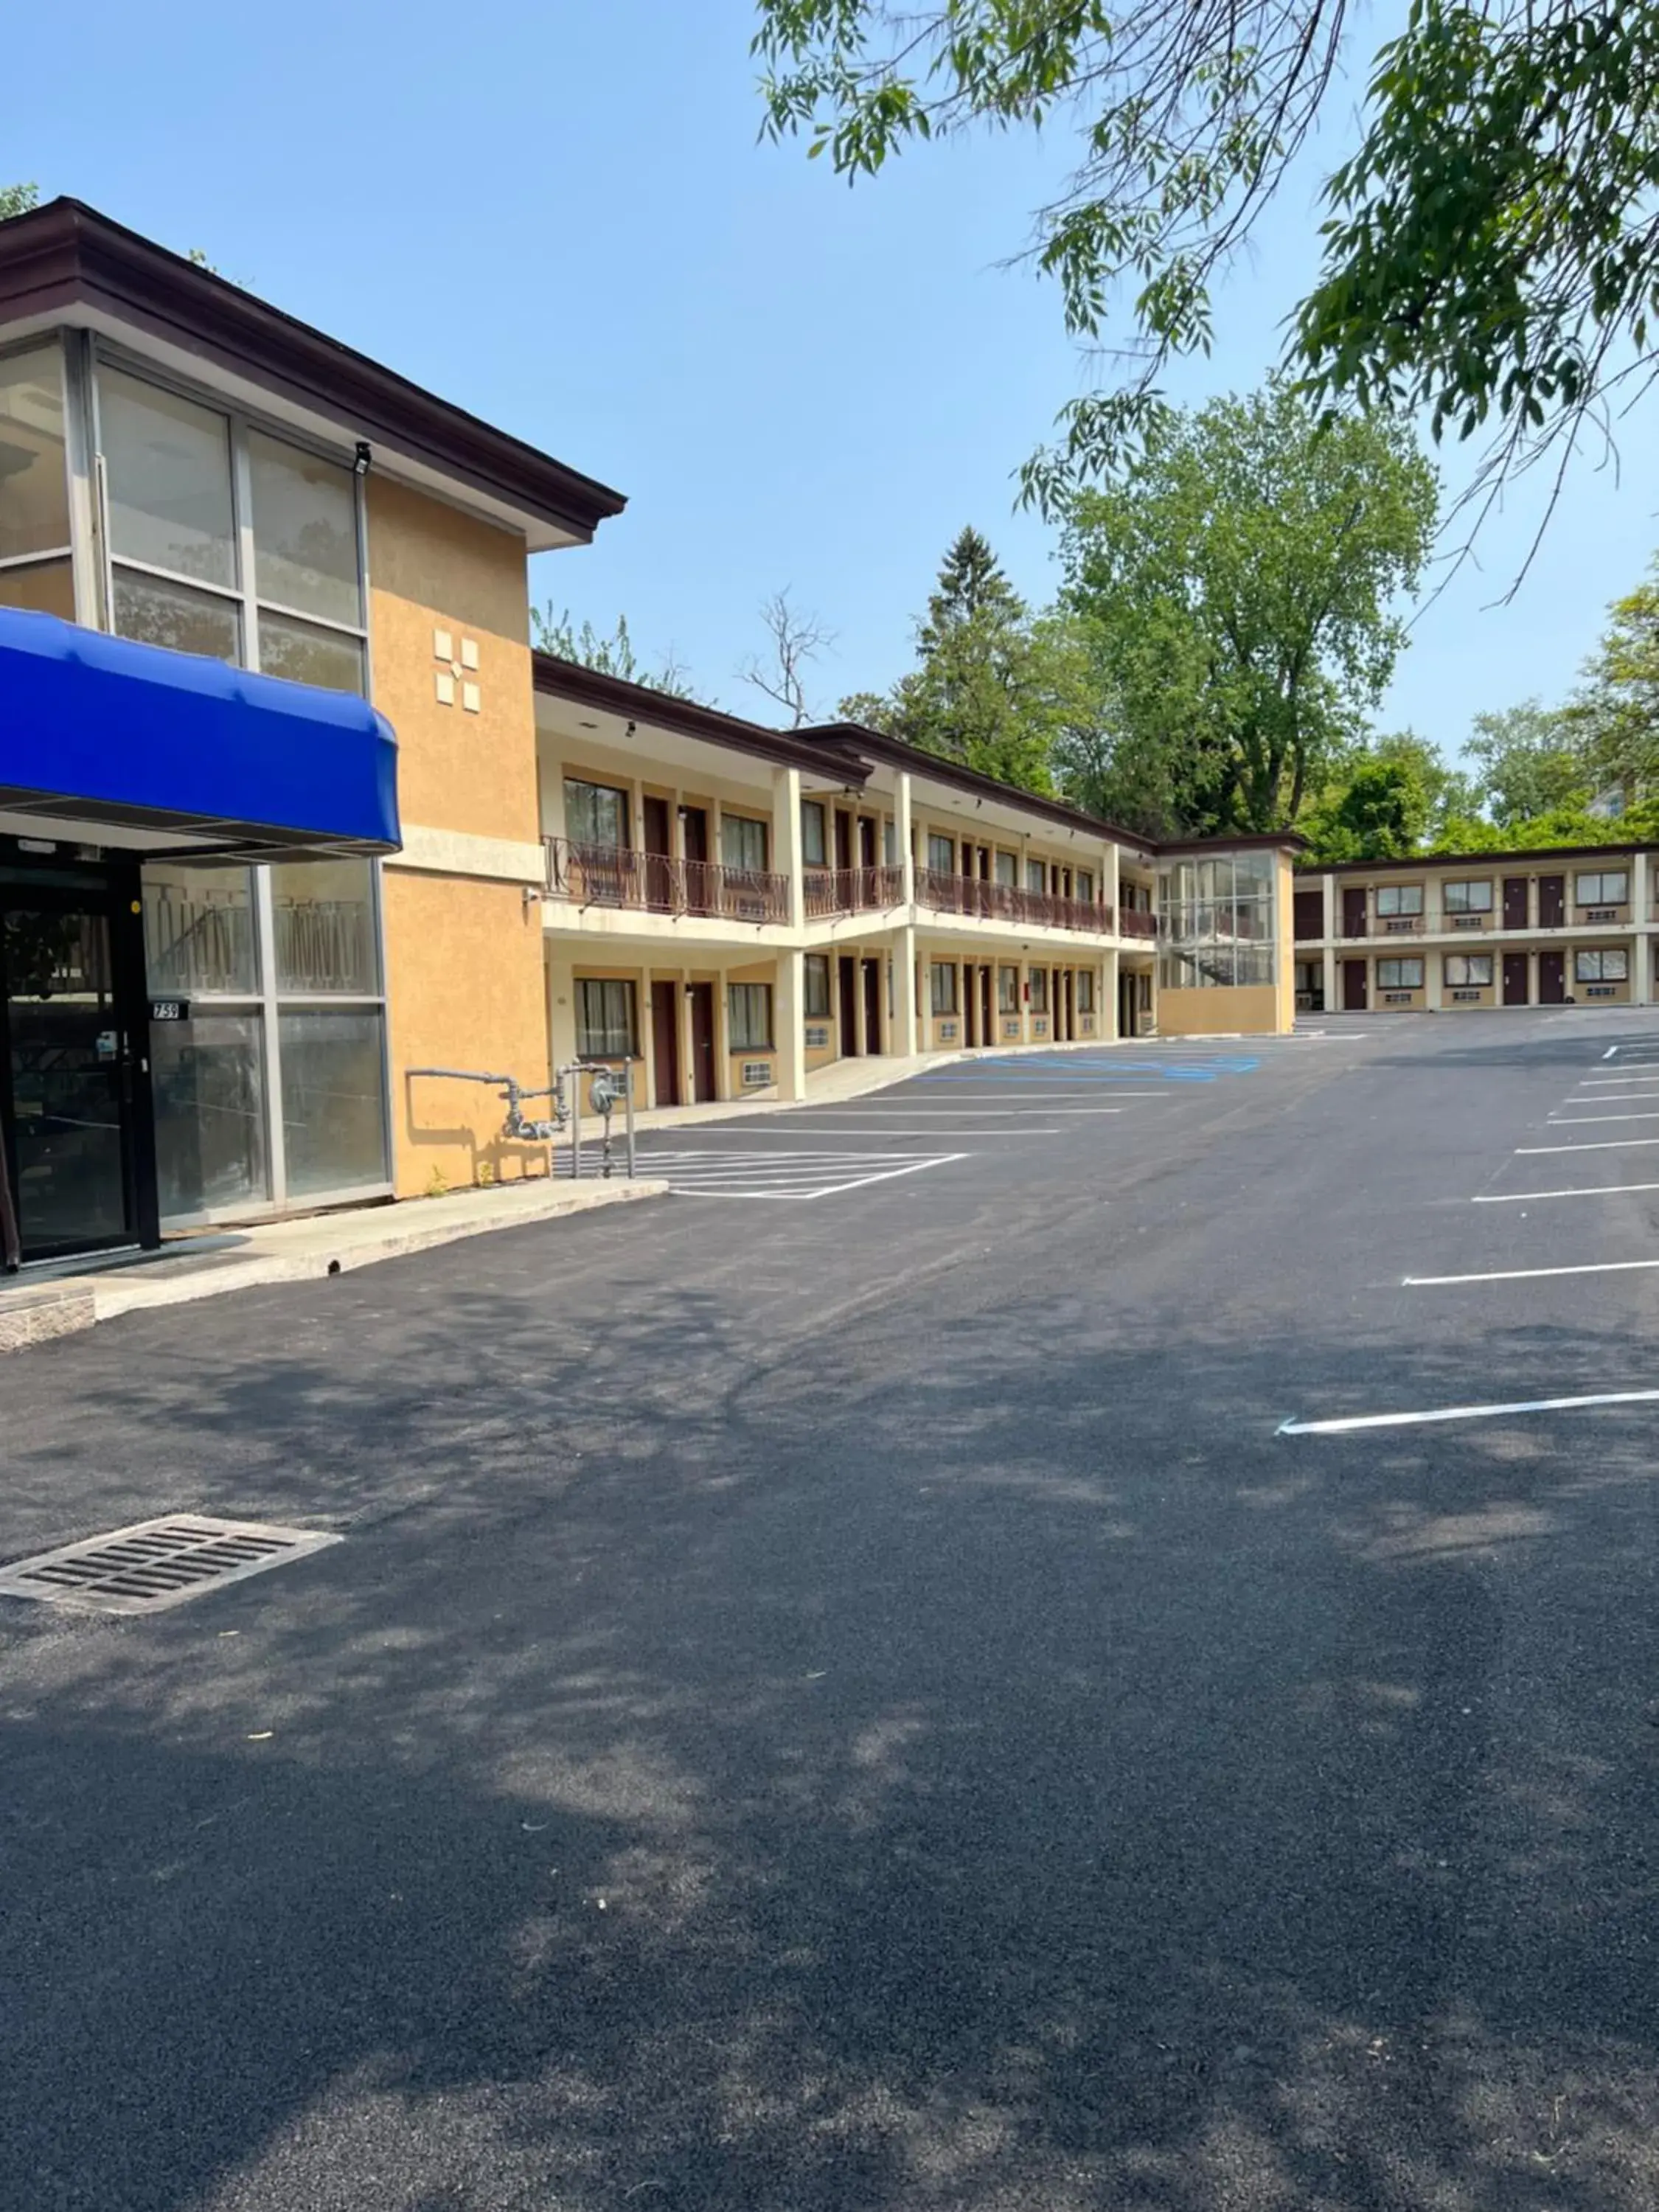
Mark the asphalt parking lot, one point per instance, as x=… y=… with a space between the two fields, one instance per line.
x=1080 y=1633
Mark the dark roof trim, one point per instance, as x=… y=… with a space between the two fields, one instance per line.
x=1418 y=861
x=853 y=737
x=686 y=718
x=1278 y=840
x=66 y=254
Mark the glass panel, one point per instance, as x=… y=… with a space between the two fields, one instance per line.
x=305 y=530
x=1036 y=876
x=594 y=814
x=65 y=1079
x=47 y=586
x=167 y=614
x=1008 y=867
x=323 y=912
x=811 y=833
x=304 y=654
x=942 y=854
x=169 y=462
x=743 y=842
x=818 y=984
x=34 y=515
x=199 y=930
x=334 y=1110
x=210 y=1111
x=604 y=1018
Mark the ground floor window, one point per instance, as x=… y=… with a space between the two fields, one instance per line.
x=817 y=986
x=749 y=1017
x=1039 y=990
x=1007 y=990
x=1464 y=970
x=1086 y=990
x=1609 y=967
x=605 y=1022
x=945 y=987
x=1401 y=974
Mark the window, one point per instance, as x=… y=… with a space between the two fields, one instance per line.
x=1086 y=990
x=941 y=854
x=34 y=512
x=1085 y=885
x=333 y=1099
x=1401 y=974
x=945 y=987
x=605 y=1025
x=199 y=933
x=1218 y=920
x=1469 y=898
x=1039 y=990
x=817 y=986
x=1609 y=967
x=743 y=842
x=1008 y=868
x=594 y=814
x=324 y=913
x=209 y=1082
x=812 y=846
x=1036 y=876
x=1400 y=899
x=890 y=844
x=1610 y=888
x=749 y=1017
x=1467 y=970
x=1007 y=990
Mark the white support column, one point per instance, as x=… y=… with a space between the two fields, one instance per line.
x=1328 y=892
x=786 y=855
x=788 y=1016
x=1641 y=909
x=904 y=991
x=1434 y=970
x=906 y=857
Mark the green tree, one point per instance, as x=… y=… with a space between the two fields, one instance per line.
x=1614 y=716
x=1448 y=791
x=17 y=199
x=1237 y=587
x=1492 y=248
x=1380 y=813
x=611 y=651
x=995 y=688
x=1528 y=763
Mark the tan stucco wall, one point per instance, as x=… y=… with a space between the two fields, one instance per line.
x=1252 y=1010
x=433 y=568
x=463 y=989
x=1284 y=947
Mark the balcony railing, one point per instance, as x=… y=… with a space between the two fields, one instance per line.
x=1135 y=921
x=851 y=891
x=654 y=883
x=994 y=901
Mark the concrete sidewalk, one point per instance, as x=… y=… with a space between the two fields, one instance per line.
x=58 y=1300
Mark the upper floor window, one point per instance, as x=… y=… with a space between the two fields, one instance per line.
x=1086 y=886
x=35 y=511
x=813 y=846
x=1036 y=876
x=1610 y=888
x=1008 y=867
x=595 y=814
x=228 y=541
x=743 y=842
x=1469 y=898
x=941 y=854
x=1400 y=899
x=890 y=843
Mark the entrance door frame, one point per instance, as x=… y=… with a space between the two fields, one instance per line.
x=1517 y=966
x=113 y=890
x=700 y=1000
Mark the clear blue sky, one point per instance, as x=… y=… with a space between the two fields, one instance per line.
x=557 y=216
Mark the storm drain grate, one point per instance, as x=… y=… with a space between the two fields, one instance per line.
x=156 y=1563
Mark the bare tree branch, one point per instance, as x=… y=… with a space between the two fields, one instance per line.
x=797 y=639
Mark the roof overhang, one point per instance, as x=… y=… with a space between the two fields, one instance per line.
x=133 y=746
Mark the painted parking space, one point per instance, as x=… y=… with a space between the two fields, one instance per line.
x=800 y=1173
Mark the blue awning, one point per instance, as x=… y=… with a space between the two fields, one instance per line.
x=100 y=731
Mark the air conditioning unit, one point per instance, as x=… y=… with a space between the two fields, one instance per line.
x=1397 y=997
x=1393 y=928
x=1145 y=1026
x=1602 y=913
x=1467 y=920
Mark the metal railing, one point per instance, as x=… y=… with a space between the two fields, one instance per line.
x=851 y=891
x=655 y=882
x=996 y=901
x=1136 y=921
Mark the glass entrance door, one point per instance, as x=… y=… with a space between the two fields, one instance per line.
x=67 y=1047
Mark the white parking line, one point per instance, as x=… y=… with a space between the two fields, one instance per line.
x=1462 y=1413
x=1610 y=1051
x=1566 y=1119
x=1612 y=1082
x=860 y=1129
x=1594 y=1145
x=1528 y=1274
x=712 y=1172
x=1521 y=1197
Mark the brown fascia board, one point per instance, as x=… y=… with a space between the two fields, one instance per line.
x=1418 y=861
x=66 y=254
x=686 y=717
x=1278 y=840
x=853 y=738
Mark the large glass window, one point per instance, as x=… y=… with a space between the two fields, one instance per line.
x=943 y=987
x=1036 y=876
x=941 y=854
x=46 y=587
x=1611 y=966
x=1469 y=898
x=1218 y=922
x=1006 y=866
x=743 y=842
x=595 y=814
x=302 y=652
x=305 y=531
x=34 y=513
x=199 y=935
x=323 y=916
x=812 y=845
x=1086 y=886
x=210 y=1111
x=749 y=1017
x=167 y=464
x=817 y=986
x=1610 y=888
x=1466 y=971
x=1393 y=899
x=333 y=1099
x=605 y=1025
x=1399 y=975
x=156 y=612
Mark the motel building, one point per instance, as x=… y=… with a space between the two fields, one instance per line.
x=292 y=816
